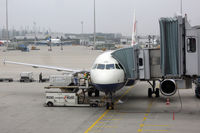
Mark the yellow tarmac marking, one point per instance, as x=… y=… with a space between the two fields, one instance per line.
x=110 y=119
x=139 y=130
x=145 y=118
x=141 y=125
x=147 y=125
x=98 y=120
x=144 y=125
x=150 y=130
x=107 y=126
x=123 y=94
x=155 y=130
x=156 y=125
x=101 y=122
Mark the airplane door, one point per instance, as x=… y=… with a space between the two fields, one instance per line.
x=191 y=55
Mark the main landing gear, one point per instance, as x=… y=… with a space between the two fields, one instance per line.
x=153 y=90
x=109 y=101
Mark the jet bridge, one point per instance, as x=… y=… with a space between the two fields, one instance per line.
x=176 y=63
x=139 y=63
x=180 y=48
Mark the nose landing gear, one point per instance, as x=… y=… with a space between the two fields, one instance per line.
x=153 y=90
x=109 y=101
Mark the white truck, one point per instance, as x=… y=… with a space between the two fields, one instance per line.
x=62 y=99
x=26 y=77
x=71 y=100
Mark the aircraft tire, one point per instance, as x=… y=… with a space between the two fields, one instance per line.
x=90 y=93
x=112 y=106
x=107 y=105
x=150 y=92
x=96 y=93
x=197 y=92
x=50 y=104
x=157 y=92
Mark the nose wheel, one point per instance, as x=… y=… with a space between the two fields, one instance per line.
x=110 y=102
x=153 y=90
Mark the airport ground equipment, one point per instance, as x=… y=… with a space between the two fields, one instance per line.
x=6 y=79
x=60 y=80
x=197 y=87
x=70 y=90
x=45 y=80
x=26 y=77
x=58 y=98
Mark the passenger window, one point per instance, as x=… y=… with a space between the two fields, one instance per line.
x=140 y=62
x=95 y=66
x=117 y=66
x=110 y=66
x=101 y=66
x=191 y=45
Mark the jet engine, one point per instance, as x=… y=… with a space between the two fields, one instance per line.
x=168 y=87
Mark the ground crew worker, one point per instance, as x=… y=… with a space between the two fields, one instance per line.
x=40 y=77
x=85 y=75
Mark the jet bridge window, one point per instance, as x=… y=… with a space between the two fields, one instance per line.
x=191 y=45
x=110 y=66
x=140 y=62
x=101 y=66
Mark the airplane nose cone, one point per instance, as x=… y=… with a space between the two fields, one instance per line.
x=107 y=76
x=107 y=80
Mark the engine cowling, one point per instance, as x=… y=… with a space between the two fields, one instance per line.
x=168 y=87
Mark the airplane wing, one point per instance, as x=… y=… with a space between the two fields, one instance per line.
x=46 y=67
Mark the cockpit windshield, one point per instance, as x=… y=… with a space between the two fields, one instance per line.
x=117 y=66
x=110 y=66
x=101 y=66
x=106 y=66
x=95 y=66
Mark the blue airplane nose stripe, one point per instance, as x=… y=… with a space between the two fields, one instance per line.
x=108 y=87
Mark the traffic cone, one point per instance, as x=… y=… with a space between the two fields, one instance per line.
x=167 y=103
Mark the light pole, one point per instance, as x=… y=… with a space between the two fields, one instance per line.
x=61 y=42
x=7 y=38
x=94 y=25
x=34 y=23
x=82 y=27
x=181 y=8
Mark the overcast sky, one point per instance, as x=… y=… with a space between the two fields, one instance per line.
x=112 y=16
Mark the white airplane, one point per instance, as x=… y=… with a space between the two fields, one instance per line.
x=53 y=41
x=107 y=74
x=4 y=41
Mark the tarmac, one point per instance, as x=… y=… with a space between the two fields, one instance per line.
x=22 y=104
